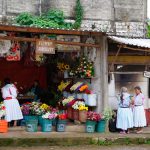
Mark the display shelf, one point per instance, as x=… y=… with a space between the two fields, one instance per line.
x=77 y=78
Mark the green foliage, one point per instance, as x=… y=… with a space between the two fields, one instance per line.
x=25 y=19
x=78 y=15
x=52 y=19
x=148 y=30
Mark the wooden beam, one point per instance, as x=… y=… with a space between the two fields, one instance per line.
x=141 y=60
x=48 y=30
x=23 y=39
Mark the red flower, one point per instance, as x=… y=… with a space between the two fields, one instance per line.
x=3 y=107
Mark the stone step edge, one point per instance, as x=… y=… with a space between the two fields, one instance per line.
x=71 y=141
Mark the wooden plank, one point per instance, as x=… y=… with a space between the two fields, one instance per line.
x=23 y=39
x=48 y=31
x=141 y=60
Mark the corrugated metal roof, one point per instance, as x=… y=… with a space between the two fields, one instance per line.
x=145 y=43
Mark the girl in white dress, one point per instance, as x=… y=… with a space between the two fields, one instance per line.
x=124 y=113
x=138 y=111
x=13 y=110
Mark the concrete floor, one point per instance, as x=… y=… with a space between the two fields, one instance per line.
x=140 y=147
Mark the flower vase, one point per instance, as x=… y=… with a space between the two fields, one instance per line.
x=61 y=125
x=46 y=125
x=83 y=116
x=101 y=126
x=66 y=75
x=90 y=126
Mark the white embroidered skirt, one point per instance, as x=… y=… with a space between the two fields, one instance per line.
x=13 y=111
x=139 y=116
x=124 y=118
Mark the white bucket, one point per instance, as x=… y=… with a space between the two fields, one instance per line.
x=79 y=96
x=92 y=98
x=85 y=97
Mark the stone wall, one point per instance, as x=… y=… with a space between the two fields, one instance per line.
x=119 y=17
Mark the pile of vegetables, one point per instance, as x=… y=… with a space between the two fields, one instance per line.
x=52 y=19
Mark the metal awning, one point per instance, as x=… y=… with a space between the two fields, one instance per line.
x=144 y=43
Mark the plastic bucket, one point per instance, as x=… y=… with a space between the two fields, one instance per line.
x=82 y=116
x=61 y=125
x=40 y=119
x=3 y=126
x=75 y=114
x=85 y=97
x=26 y=118
x=92 y=98
x=46 y=125
x=101 y=126
x=90 y=126
x=32 y=125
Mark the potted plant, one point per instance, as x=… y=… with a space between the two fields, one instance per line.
x=92 y=118
x=47 y=121
x=62 y=121
x=3 y=123
x=102 y=124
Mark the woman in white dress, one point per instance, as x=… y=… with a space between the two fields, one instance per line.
x=13 y=110
x=124 y=113
x=138 y=111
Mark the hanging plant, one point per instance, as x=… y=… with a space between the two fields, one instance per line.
x=78 y=15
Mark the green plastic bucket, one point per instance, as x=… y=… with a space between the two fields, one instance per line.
x=46 y=125
x=101 y=125
x=61 y=125
x=40 y=119
x=90 y=126
x=29 y=117
x=32 y=125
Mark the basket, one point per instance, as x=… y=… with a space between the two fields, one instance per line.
x=75 y=114
x=3 y=126
x=83 y=116
x=70 y=113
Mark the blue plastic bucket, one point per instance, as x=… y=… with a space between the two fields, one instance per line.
x=46 y=125
x=101 y=125
x=32 y=125
x=90 y=126
x=61 y=125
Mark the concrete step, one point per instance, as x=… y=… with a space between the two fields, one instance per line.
x=69 y=128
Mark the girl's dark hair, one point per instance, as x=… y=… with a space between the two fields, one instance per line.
x=7 y=81
x=138 y=88
x=121 y=98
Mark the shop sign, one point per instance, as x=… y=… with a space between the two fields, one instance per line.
x=68 y=38
x=45 y=47
x=147 y=74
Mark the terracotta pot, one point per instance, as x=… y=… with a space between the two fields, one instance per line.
x=3 y=126
x=83 y=116
x=75 y=114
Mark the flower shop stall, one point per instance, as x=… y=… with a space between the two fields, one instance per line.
x=70 y=64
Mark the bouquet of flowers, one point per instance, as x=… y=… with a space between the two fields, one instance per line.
x=50 y=115
x=67 y=100
x=63 y=66
x=82 y=107
x=85 y=69
x=2 y=110
x=63 y=85
x=62 y=116
x=76 y=86
x=93 y=116
x=107 y=114
x=26 y=108
x=78 y=104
